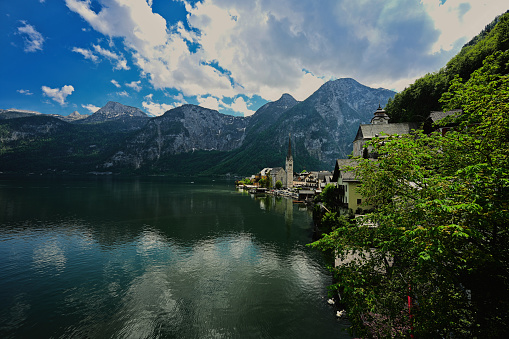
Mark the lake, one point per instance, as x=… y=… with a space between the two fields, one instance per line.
x=157 y=258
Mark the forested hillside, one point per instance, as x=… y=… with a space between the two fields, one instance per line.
x=415 y=102
x=437 y=263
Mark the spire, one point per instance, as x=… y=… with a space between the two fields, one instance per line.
x=289 y=155
x=380 y=117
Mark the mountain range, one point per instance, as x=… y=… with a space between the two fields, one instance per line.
x=190 y=139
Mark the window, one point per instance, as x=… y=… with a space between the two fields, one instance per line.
x=359 y=201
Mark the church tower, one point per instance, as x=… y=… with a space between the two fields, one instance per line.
x=380 y=117
x=289 y=165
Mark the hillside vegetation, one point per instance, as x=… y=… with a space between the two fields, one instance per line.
x=437 y=263
x=415 y=102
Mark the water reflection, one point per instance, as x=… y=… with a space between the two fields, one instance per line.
x=49 y=255
x=157 y=259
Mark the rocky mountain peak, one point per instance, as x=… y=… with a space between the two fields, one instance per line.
x=114 y=111
x=287 y=99
x=75 y=114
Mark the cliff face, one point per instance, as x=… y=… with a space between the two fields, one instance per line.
x=31 y=128
x=184 y=129
x=322 y=127
x=328 y=120
x=115 y=111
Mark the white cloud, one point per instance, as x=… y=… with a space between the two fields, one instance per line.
x=156 y=109
x=58 y=95
x=123 y=94
x=209 y=102
x=33 y=39
x=115 y=82
x=88 y=54
x=91 y=108
x=288 y=46
x=179 y=99
x=239 y=105
x=134 y=85
x=460 y=19
x=121 y=62
x=118 y=60
x=24 y=91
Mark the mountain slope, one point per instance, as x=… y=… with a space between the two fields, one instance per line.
x=191 y=139
x=115 y=111
x=184 y=129
x=322 y=129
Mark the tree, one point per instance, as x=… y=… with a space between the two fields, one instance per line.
x=437 y=262
x=279 y=184
x=265 y=182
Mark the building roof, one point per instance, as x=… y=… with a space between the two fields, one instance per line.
x=369 y=131
x=439 y=115
x=322 y=175
x=265 y=171
x=339 y=170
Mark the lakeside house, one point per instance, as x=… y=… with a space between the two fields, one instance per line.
x=379 y=127
x=347 y=182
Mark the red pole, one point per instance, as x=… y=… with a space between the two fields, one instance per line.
x=410 y=312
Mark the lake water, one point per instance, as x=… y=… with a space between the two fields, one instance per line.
x=157 y=258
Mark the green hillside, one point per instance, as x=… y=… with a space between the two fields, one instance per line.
x=415 y=102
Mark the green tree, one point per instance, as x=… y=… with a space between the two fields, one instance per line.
x=441 y=215
x=265 y=182
x=279 y=184
x=330 y=197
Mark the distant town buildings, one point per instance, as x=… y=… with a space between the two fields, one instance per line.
x=306 y=185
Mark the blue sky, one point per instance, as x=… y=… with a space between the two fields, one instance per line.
x=60 y=56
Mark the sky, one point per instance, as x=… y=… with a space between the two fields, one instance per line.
x=61 y=56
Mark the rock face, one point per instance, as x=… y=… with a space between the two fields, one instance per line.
x=328 y=120
x=267 y=115
x=115 y=111
x=187 y=128
x=32 y=127
x=13 y=113
x=76 y=116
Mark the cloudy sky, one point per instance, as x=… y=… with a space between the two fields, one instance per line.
x=60 y=56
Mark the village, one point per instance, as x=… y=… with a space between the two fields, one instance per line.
x=304 y=186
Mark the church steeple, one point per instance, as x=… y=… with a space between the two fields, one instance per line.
x=289 y=164
x=289 y=155
x=380 y=117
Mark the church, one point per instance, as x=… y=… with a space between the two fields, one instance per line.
x=378 y=127
x=288 y=183
x=285 y=175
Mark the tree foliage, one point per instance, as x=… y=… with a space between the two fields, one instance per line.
x=279 y=184
x=441 y=215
